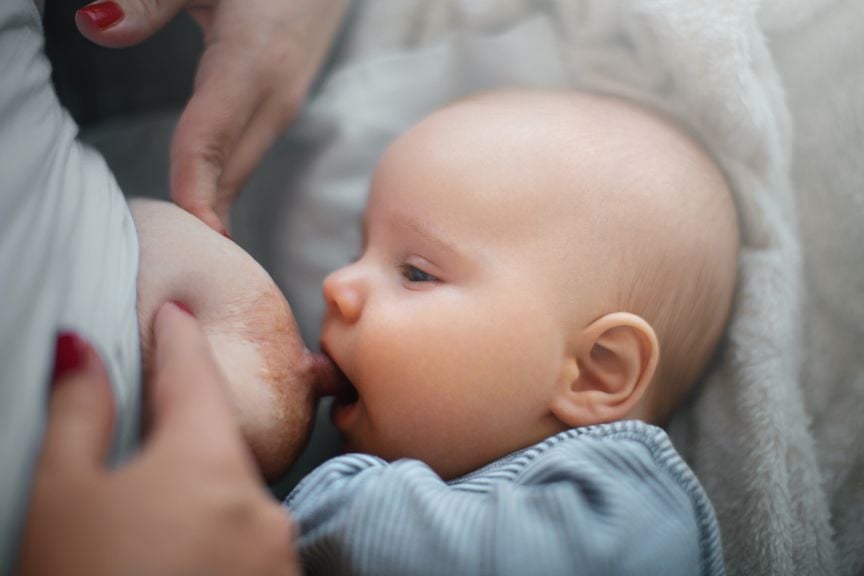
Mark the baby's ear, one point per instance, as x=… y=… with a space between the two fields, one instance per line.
x=608 y=371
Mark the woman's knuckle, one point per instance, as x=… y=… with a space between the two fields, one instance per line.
x=213 y=155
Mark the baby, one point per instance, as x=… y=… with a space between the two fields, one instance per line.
x=542 y=274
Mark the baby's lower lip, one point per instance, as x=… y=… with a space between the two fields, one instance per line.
x=342 y=413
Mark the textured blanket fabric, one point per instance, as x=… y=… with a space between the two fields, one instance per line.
x=772 y=432
x=819 y=50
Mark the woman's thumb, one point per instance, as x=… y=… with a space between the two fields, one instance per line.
x=120 y=23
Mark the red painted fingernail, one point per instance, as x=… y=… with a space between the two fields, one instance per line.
x=183 y=307
x=70 y=354
x=102 y=14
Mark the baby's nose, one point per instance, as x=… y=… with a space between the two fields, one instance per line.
x=344 y=294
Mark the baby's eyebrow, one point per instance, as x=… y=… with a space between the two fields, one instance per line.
x=424 y=229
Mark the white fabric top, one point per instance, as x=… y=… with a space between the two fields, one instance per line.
x=68 y=260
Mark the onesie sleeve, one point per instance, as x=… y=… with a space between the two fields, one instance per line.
x=590 y=506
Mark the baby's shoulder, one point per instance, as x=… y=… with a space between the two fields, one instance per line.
x=630 y=461
x=629 y=468
x=625 y=449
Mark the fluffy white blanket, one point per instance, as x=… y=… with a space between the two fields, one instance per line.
x=775 y=432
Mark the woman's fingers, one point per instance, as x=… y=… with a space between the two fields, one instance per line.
x=211 y=173
x=262 y=130
x=81 y=413
x=189 y=503
x=119 y=23
x=259 y=60
x=227 y=93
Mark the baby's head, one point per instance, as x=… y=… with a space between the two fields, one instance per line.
x=272 y=377
x=532 y=262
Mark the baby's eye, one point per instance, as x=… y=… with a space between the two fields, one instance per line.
x=414 y=274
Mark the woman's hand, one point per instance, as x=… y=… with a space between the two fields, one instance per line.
x=259 y=60
x=190 y=503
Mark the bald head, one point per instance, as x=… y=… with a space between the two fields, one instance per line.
x=639 y=217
